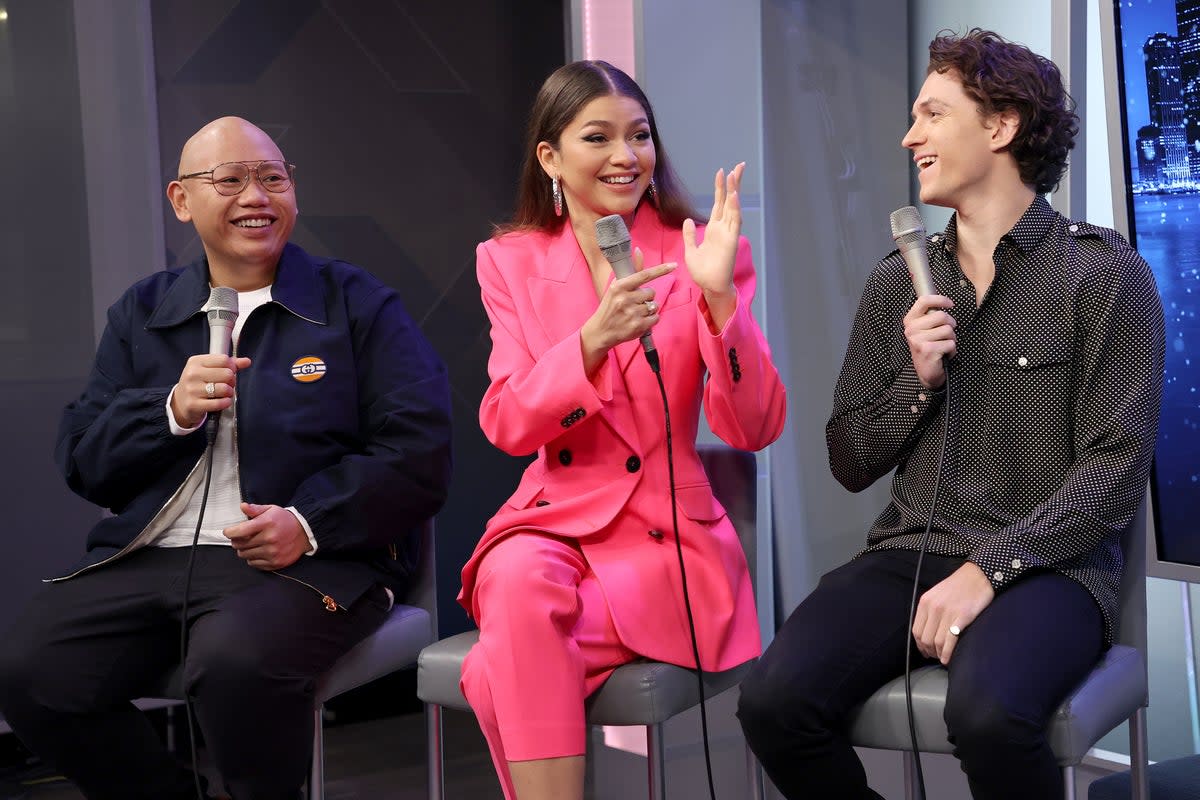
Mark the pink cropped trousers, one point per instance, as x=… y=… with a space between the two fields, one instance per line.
x=546 y=641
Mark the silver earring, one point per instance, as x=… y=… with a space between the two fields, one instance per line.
x=556 y=191
x=653 y=192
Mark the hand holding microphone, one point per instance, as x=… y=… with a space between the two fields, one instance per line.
x=928 y=328
x=207 y=382
x=627 y=309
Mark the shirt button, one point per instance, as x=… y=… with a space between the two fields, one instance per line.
x=998 y=575
x=1016 y=563
x=922 y=397
x=633 y=464
x=937 y=237
x=1022 y=361
x=913 y=409
x=655 y=534
x=1073 y=228
x=962 y=281
x=564 y=457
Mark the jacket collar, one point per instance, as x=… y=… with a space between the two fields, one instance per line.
x=297 y=288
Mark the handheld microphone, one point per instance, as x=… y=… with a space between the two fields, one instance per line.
x=615 y=244
x=222 y=314
x=908 y=231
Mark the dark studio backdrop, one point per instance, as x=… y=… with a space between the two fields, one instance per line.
x=405 y=120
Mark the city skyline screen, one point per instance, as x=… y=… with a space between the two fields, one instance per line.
x=1159 y=56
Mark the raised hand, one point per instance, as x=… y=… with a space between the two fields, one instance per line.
x=191 y=400
x=711 y=263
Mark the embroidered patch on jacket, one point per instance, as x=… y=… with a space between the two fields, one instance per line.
x=308 y=369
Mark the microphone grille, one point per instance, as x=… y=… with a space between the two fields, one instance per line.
x=222 y=303
x=611 y=232
x=906 y=222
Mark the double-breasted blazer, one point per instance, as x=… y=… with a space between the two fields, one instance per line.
x=601 y=477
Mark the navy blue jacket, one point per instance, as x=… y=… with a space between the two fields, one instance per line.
x=363 y=453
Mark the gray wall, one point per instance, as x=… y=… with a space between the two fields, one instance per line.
x=836 y=98
x=46 y=318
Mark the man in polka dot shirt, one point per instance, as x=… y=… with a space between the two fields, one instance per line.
x=1053 y=334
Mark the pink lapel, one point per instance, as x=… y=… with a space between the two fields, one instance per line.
x=561 y=288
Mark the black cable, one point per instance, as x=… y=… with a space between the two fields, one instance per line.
x=912 y=608
x=652 y=357
x=210 y=434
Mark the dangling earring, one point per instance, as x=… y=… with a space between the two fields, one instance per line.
x=653 y=192
x=556 y=191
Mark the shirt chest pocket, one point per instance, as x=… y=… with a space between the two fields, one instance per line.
x=1028 y=355
x=1029 y=377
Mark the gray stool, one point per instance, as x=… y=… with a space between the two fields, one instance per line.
x=1116 y=690
x=394 y=646
x=641 y=693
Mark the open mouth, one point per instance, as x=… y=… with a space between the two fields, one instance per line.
x=927 y=161
x=619 y=180
x=257 y=222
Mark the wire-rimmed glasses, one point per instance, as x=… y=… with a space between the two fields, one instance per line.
x=232 y=177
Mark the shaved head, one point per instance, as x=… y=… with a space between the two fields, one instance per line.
x=226 y=139
x=243 y=233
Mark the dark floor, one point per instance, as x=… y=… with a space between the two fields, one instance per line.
x=379 y=759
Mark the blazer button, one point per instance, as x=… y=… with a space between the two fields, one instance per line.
x=541 y=503
x=656 y=535
x=564 y=457
x=633 y=464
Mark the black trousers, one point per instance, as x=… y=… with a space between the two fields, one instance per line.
x=1009 y=671
x=87 y=646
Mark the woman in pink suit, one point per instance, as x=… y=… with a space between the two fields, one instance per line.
x=577 y=573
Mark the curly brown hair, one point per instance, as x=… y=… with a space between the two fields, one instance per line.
x=564 y=94
x=1000 y=76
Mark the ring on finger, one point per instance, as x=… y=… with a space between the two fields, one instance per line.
x=651 y=308
x=210 y=389
x=955 y=630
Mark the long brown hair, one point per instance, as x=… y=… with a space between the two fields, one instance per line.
x=564 y=94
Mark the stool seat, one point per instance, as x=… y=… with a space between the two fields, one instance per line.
x=639 y=693
x=1100 y=703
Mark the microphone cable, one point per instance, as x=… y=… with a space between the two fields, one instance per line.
x=652 y=358
x=912 y=608
x=210 y=433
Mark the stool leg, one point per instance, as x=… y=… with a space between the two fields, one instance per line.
x=1138 y=755
x=433 y=751
x=911 y=790
x=656 y=762
x=754 y=775
x=316 y=779
x=1068 y=773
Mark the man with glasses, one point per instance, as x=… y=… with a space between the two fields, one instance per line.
x=332 y=448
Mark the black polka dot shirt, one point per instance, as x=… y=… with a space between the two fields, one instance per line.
x=1053 y=413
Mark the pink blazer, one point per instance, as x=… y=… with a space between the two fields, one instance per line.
x=601 y=471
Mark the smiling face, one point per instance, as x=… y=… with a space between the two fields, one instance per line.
x=604 y=159
x=243 y=234
x=958 y=151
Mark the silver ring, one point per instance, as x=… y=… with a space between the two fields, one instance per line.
x=955 y=630
x=651 y=308
x=210 y=388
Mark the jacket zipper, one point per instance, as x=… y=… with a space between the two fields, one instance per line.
x=133 y=544
x=330 y=603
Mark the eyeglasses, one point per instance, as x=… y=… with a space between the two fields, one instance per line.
x=232 y=177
